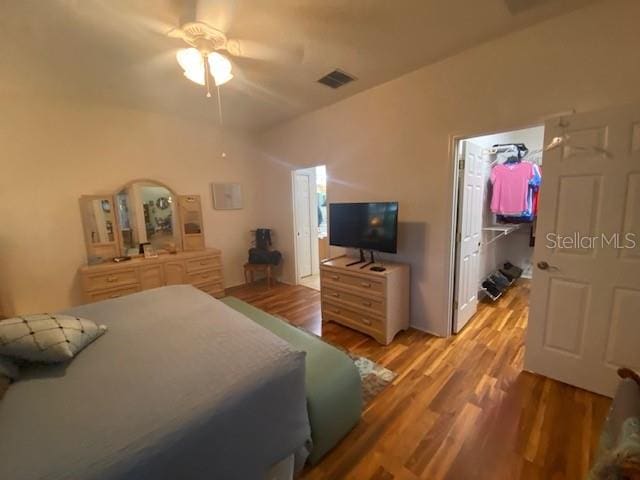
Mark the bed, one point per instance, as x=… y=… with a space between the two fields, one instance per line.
x=181 y=386
x=334 y=392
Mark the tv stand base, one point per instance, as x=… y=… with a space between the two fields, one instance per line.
x=362 y=260
x=371 y=262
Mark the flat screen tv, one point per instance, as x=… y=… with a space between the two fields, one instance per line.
x=369 y=226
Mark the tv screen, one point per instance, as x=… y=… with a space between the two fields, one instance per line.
x=369 y=226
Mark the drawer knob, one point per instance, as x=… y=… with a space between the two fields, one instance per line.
x=366 y=321
x=337 y=295
x=112 y=279
x=335 y=277
x=366 y=304
x=366 y=284
x=336 y=310
x=115 y=295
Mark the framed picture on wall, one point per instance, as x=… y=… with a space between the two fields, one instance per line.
x=226 y=196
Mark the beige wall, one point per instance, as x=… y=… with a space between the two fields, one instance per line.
x=393 y=142
x=54 y=152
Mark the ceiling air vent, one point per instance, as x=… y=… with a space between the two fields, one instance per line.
x=336 y=79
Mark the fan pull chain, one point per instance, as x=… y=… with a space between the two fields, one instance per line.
x=206 y=75
x=224 y=154
x=219 y=105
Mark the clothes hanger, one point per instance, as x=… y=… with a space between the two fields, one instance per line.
x=511 y=149
x=564 y=140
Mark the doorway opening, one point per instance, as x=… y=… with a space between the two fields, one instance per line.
x=310 y=224
x=498 y=180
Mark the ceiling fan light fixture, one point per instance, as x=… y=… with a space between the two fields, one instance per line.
x=196 y=76
x=220 y=68
x=221 y=79
x=192 y=63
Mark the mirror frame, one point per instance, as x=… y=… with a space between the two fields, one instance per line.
x=176 y=210
x=92 y=247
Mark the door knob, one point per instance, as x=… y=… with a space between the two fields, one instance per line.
x=542 y=265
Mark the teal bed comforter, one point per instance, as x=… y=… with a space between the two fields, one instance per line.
x=334 y=397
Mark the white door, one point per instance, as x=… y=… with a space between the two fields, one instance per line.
x=303 y=224
x=469 y=236
x=584 y=321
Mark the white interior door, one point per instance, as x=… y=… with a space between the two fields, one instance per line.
x=302 y=198
x=585 y=305
x=469 y=235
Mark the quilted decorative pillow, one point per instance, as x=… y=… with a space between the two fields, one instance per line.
x=47 y=338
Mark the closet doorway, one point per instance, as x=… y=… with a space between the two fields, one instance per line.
x=310 y=223
x=498 y=181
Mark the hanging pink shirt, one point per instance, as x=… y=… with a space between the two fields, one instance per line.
x=510 y=188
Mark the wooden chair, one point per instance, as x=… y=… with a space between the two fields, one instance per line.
x=251 y=268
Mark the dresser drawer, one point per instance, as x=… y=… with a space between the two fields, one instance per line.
x=108 y=294
x=357 y=320
x=203 y=263
x=360 y=303
x=204 y=276
x=339 y=278
x=175 y=273
x=151 y=277
x=102 y=281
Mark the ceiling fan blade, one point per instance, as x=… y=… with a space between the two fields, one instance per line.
x=260 y=51
x=125 y=16
x=217 y=13
x=175 y=14
x=175 y=33
x=186 y=10
x=152 y=25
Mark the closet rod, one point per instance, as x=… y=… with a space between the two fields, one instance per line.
x=504 y=231
x=502 y=149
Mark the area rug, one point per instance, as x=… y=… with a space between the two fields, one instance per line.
x=374 y=377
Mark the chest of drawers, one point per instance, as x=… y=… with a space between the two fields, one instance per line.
x=202 y=269
x=374 y=303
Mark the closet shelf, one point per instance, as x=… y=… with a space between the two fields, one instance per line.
x=501 y=230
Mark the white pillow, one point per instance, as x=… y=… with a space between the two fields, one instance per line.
x=48 y=338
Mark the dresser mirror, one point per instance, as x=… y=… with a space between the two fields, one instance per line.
x=99 y=220
x=141 y=212
x=147 y=213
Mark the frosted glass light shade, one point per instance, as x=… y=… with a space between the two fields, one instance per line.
x=192 y=63
x=220 y=68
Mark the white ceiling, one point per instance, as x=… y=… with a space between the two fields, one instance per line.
x=112 y=51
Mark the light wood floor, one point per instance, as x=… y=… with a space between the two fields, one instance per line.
x=461 y=408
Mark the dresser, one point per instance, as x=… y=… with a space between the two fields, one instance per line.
x=374 y=303
x=202 y=269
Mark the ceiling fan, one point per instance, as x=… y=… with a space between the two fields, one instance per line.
x=203 y=27
x=201 y=60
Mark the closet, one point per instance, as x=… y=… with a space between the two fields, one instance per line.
x=499 y=179
x=509 y=215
